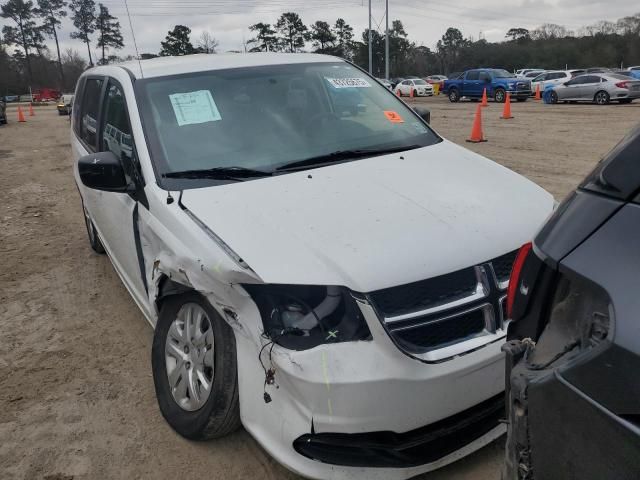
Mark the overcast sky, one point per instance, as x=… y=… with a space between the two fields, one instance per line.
x=424 y=21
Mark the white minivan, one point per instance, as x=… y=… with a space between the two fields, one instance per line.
x=319 y=265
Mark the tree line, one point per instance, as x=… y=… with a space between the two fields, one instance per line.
x=32 y=23
x=549 y=46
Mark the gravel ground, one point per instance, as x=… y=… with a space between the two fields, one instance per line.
x=76 y=392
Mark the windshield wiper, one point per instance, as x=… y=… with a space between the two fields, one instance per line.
x=219 y=173
x=341 y=155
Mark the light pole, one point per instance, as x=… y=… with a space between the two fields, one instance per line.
x=386 y=42
x=370 y=46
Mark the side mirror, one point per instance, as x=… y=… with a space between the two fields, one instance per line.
x=103 y=171
x=424 y=113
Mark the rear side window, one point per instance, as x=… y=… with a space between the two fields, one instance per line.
x=473 y=76
x=89 y=113
x=484 y=76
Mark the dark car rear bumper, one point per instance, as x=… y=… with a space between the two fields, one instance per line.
x=558 y=431
x=402 y=450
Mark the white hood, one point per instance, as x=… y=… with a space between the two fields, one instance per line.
x=376 y=222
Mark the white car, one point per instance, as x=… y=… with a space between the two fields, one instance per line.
x=420 y=88
x=386 y=83
x=318 y=264
x=522 y=72
x=550 y=78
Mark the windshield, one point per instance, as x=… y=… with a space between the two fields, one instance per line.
x=503 y=74
x=262 y=118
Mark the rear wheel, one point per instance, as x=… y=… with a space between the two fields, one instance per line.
x=602 y=98
x=195 y=368
x=500 y=95
x=626 y=100
x=554 y=97
x=454 y=95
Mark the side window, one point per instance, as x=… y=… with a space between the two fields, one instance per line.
x=577 y=81
x=116 y=132
x=592 y=79
x=406 y=82
x=473 y=75
x=76 y=107
x=484 y=76
x=89 y=114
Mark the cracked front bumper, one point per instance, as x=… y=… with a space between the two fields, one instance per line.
x=370 y=391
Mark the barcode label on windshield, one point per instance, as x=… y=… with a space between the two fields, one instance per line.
x=348 y=82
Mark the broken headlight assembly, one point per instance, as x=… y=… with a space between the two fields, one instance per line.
x=300 y=317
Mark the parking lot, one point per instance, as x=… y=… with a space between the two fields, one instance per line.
x=76 y=390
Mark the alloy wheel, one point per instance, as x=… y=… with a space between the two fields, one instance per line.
x=189 y=358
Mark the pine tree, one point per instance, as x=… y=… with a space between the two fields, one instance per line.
x=84 y=19
x=177 y=42
x=322 y=36
x=109 y=32
x=292 y=31
x=51 y=11
x=265 y=39
x=26 y=33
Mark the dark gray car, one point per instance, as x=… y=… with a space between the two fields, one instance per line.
x=601 y=88
x=573 y=350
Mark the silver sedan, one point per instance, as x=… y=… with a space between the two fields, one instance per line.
x=600 y=88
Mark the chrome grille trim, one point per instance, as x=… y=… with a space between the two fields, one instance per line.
x=489 y=296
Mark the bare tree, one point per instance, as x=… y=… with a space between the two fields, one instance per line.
x=207 y=43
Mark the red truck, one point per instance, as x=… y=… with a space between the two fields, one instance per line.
x=45 y=94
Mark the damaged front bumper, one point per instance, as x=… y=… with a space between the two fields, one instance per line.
x=365 y=409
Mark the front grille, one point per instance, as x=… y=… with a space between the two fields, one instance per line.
x=441 y=332
x=445 y=310
x=426 y=293
x=502 y=266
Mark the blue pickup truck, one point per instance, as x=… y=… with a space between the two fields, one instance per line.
x=498 y=82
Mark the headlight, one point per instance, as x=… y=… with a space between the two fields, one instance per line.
x=300 y=317
x=510 y=87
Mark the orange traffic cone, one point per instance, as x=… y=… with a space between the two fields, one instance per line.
x=31 y=114
x=20 y=115
x=411 y=93
x=476 y=130
x=538 y=97
x=506 y=114
x=484 y=98
x=398 y=93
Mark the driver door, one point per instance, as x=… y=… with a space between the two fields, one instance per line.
x=116 y=215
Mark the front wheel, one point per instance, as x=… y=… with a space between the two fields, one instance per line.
x=554 y=97
x=602 y=98
x=195 y=370
x=500 y=95
x=454 y=96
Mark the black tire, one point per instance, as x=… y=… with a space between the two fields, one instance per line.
x=626 y=101
x=554 y=97
x=601 y=98
x=521 y=99
x=220 y=415
x=94 y=239
x=454 y=95
x=500 y=95
x=60 y=112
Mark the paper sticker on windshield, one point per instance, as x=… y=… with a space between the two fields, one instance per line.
x=393 y=117
x=194 y=107
x=348 y=82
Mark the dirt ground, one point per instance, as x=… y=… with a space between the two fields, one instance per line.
x=76 y=392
